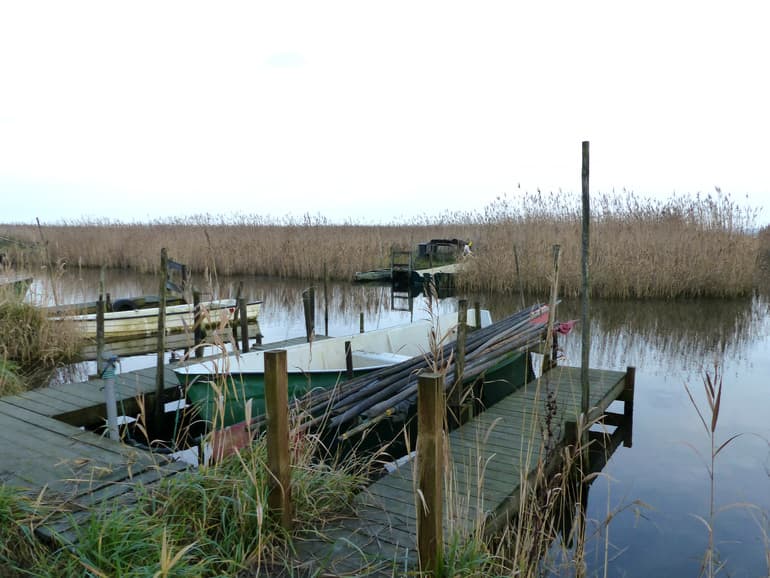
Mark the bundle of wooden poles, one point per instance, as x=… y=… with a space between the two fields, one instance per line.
x=370 y=398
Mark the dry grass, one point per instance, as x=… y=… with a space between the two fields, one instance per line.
x=31 y=346
x=685 y=246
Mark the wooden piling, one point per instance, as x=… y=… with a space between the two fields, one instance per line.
x=100 y=309
x=361 y=323
x=326 y=301
x=277 y=409
x=160 y=384
x=349 y=359
x=477 y=309
x=548 y=354
x=430 y=466
x=518 y=275
x=457 y=394
x=628 y=406
x=308 y=305
x=197 y=323
x=244 y=315
x=586 y=290
x=235 y=321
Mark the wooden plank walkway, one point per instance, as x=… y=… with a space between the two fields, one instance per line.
x=490 y=455
x=43 y=449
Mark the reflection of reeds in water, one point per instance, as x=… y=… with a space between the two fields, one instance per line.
x=679 y=333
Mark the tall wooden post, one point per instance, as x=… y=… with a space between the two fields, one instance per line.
x=457 y=392
x=361 y=322
x=430 y=466
x=477 y=309
x=326 y=301
x=277 y=409
x=100 y=308
x=197 y=323
x=518 y=275
x=548 y=352
x=160 y=383
x=244 y=315
x=585 y=302
x=308 y=304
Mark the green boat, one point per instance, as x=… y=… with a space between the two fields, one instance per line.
x=231 y=389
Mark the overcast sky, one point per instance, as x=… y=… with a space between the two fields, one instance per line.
x=370 y=111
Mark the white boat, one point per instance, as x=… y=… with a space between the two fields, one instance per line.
x=321 y=363
x=137 y=323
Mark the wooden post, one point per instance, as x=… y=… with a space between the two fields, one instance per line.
x=100 y=308
x=361 y=322
x=477 y=309
x=430 y=466
x=235 y=321
x=457 y=391
x=326 y=301
x=548 y=353
x=277 y=409
x=160 y=382
x=197 y=323
x=244 y=324
x=308 y=304
x=518 y=275
x=628 y=406
x=349 y=359
x=586 y=290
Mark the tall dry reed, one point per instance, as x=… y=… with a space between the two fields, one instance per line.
x=701 y=245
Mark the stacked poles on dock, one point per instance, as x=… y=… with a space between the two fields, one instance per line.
x=377 y=395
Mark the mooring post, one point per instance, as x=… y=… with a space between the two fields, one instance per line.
x=108 y=375
x=458 y=392
x=308 y=304
x=361 y=322
x=585 y=356
x=628 y=406
x=100 y=309
x=326 y=301
x=349 y=359
x=430 y=471
x=197 y=323
x=477 y=309
x=518 y=275
x=160 y=375
x=244 y=313
x=235 y=321
x=277 y=409
x=548 y=356
x=586 y=290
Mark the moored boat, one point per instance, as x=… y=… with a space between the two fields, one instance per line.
x=136 y=323
x=321 y=363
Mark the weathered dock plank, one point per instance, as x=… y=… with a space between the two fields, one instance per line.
x=490 y=456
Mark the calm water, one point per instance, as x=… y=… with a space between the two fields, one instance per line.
x=654 y=490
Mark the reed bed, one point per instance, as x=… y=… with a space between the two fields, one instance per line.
x=688 y=245
x=31 y=346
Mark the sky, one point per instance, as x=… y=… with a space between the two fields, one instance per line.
x=373 y=111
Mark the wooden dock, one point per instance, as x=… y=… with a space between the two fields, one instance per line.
x=490 y=456
x=45 y=448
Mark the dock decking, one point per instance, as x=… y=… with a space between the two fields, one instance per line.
x=44 y=449
x=490 y=455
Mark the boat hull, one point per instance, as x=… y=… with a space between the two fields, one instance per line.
x=320 y=364
x=229 y=400
x=138 y=323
